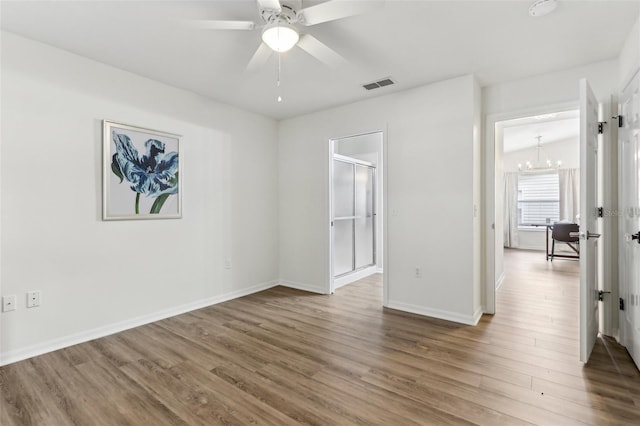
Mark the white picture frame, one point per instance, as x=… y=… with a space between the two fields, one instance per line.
x=141 y=173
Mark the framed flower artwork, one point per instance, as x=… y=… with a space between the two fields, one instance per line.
x=141 y=173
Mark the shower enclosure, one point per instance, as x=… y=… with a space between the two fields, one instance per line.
x=353 y=222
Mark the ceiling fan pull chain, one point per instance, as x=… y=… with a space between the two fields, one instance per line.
x=278 y=83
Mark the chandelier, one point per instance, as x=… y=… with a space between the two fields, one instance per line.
x=540 y=165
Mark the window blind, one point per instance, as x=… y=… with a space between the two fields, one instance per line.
x=538 y=198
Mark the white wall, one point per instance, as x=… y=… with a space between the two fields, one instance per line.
x=559 y=87
x=98 y=277
x=430 y=195
x=629 y=58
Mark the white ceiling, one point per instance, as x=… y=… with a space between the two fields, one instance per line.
x=415 y=42
x=522 y=133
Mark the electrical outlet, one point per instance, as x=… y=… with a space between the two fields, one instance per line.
x=9 y=303
x=227 y=264
x=33 y=298
x=418 y=272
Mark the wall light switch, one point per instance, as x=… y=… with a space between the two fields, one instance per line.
x=9 y=303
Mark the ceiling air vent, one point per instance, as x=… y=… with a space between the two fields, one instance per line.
x=378 y=84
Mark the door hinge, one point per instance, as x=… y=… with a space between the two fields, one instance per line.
x=600 y=211
x=620 y=121
x=601 y=294
x=601 y=127
x=621 y=304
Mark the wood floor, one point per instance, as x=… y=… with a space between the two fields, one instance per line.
x=287 y=357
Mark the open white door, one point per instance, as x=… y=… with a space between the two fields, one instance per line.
x=589 y=109
x=629 y=157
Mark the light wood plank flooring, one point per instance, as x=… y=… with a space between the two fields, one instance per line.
x=287 y=357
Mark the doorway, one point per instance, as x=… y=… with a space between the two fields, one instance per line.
x=356 y=199
x=536 y=184
x=354 y=238
x=494 y=191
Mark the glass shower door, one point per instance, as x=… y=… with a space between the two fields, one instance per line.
x=343 y=209
x=363 y=221
x=353 y=216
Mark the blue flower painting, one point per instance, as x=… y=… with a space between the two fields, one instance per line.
x=147 y=167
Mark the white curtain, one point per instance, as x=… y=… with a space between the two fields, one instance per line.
x=510 y=223
x=569 y=180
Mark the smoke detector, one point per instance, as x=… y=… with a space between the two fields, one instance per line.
x=542 y=7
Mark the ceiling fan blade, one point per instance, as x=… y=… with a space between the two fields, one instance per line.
x=224 y=25
x=336 y=9
x=321 y=51
x=259 y=58
x=270 y=5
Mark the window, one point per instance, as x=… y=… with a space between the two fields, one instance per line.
x=538 y=198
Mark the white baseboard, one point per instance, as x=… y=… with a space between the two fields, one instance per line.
x=530 y=247
x=95 y=333
x=380 y=271
x=303 y=286
x=437 y=313
x=477 y=315
x=348 y=279
x=500 y=281
x=616 y=335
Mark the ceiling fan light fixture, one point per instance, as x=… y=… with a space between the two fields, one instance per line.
x=280 y=36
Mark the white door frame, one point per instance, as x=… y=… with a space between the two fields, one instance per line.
x=381 y=192
x=591 y=142
x=489 y=300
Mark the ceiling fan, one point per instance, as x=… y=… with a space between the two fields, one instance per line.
x=281 y=23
